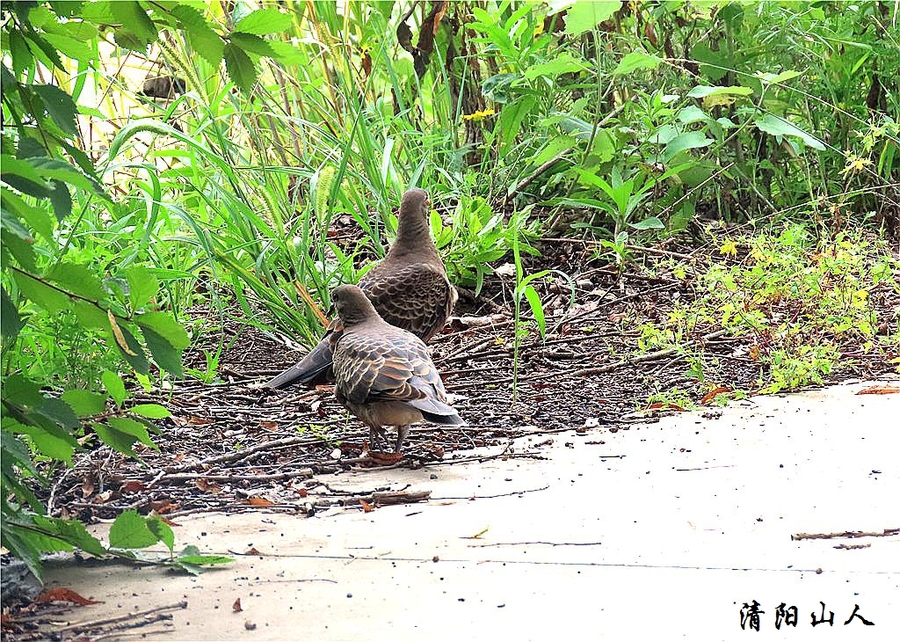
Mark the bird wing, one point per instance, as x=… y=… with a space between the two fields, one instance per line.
x=416 y=296
x=315 y=367
x=381 y=365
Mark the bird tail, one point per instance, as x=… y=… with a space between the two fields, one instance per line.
x=313 y=369
x=437 y=412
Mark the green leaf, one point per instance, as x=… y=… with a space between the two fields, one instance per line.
x=203 y=39
x=114 y=386
x=713 y=64
x=100 y=13
x=50 y=445
x=49 y=298
x=130 y=530
x=90 y=316
x=692 y=114
x=59 y=412
x=136 y=359
x=116 y=439
x=22 y=391
x=73 y=532
x=13 y=225
x=21 y=250
x=150 y=410
x=649 y=223
x=61 y=199
x=61 y=170
x=774 y=79
x=75 y=49
x=702 y=91
x=39 y=219
x=192 y=555
x=251 y=43
x=134 y=428
x=636 y=60
x=512 y=115
x=779 y=127
x=135 y=22
x=563 y=64
x=164 y=325
x=240 y=68
x=77 y=279
x=537 y=308
x=10 y=165
x=60 y=106
x=687 y=140
x=585 y=15
x=22 y=58
x=84 y=402
x=164 y=353
x=10 y=322
x=44 y=51
x=142 y=286
x=162 y=531
x=264 y=21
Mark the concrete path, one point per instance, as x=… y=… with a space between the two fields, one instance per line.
x=660 y=532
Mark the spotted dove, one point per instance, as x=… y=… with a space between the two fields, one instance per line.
x=383 y=374
x=409 y=289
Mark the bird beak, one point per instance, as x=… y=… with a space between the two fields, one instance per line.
x=427 y=201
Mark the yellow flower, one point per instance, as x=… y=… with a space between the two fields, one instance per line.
x=728 y=247
x=479 y=115
x=855 y=164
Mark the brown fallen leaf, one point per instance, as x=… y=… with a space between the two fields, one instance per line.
x=132 y=487
x=659 y=405
x=60 y=594
x=252 y=551
x=715 y=392
x=879 y=390
x=268 y=425
x=259 y=501
x=164 y=506
x=87 y=486
x=302 y=492
x=367 y=507
x=236 y=607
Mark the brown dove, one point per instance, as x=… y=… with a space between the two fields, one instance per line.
x=409 y=289
x=383 y=374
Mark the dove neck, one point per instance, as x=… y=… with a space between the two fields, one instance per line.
x=413 y=238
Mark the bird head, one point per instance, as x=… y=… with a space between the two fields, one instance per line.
x=352 y=305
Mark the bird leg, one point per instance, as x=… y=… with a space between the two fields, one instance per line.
x=402 y=432
x=375 y=431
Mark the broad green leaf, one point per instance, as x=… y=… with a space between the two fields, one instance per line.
x=10 y=322
x=585 y=15
x=130 y=531
x=22 y=58
x=164 y=353
x=165 y=326
x=43 y=294
x=22 y=391
x=61 y=199
x=263 y=21
x=13 y=225
x=150 y=410
x=240 y=68
x=162 y=531
x=636 y=60
x=135 y=22
x=562 y=64
x=60 y=106
x=713 y=64
x=50 y=445
x=204 y=40
x=73 y=532
x=512 y=115
x=192 y=555
x=72 y=48
x=687 y=140
x=136 y=359
x=649 y=223
x=59 y=412
x=251 y=43
x=116 y=439
x=18 y=167
x=84 y=402
x=77 y=279
x=90 y=316
x=44 y=51
x=114 y=386
x=142 y=285
x=774 y=79
x=52 y=168
x=692 y=114
x=133 y=428
x=779 y=127
x=21 y=543
x=100 y=12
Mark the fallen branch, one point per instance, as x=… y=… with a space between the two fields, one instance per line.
x=92 y=624
x=887 y=532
